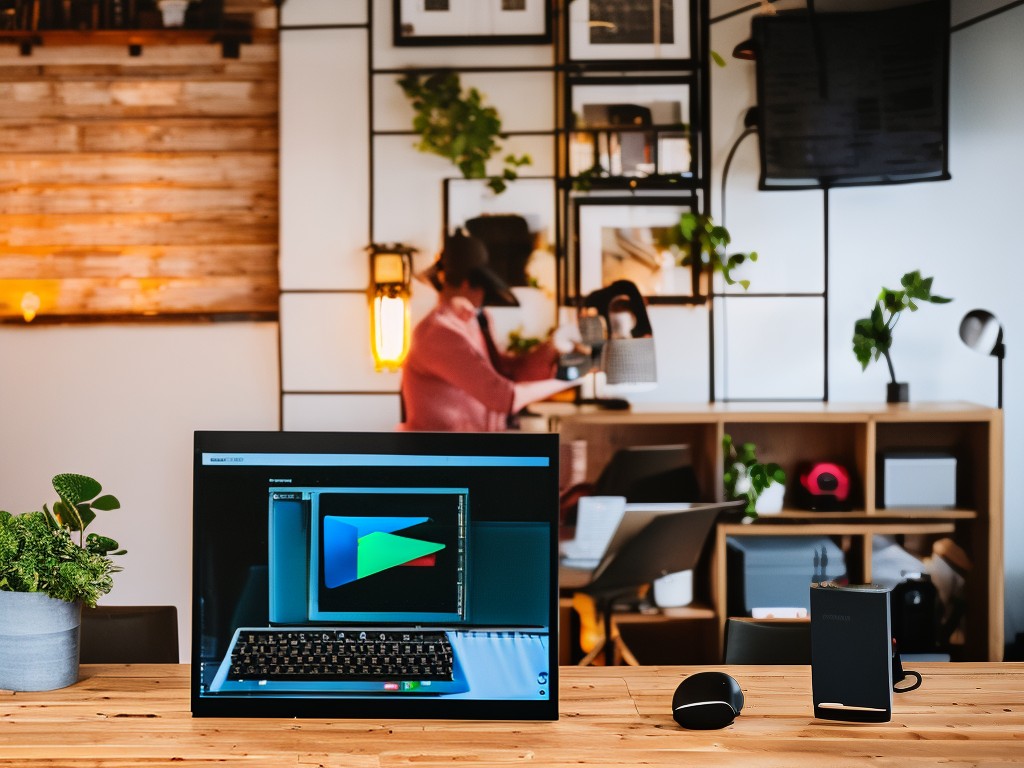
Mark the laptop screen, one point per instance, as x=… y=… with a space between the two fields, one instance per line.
x=375 y=575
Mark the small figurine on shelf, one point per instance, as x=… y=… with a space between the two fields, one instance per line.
x=173 y=12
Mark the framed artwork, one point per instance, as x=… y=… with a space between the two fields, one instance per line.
x=517 y=226
x=630 y=128
x=621 y=239
x=472 y=22
x=628 y=30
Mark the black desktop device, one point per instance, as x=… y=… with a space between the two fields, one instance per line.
x=851 y=653
x=776 y=571
x=375 y=575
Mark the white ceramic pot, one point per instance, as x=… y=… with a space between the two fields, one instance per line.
x=769 y=502
x=674 y=590
x=39 y=641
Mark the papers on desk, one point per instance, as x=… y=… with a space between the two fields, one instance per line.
x=597 y=517
x=600 y=522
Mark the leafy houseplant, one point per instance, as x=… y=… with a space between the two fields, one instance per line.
x=519 y=344
x=872 y=336
x=701 y=244
x=45 y=578
x=745 y=476
x=459 y=126
x=39 y=554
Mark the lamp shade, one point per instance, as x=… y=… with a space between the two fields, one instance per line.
x=614 y=325
x=981 y=331
x=629 y=364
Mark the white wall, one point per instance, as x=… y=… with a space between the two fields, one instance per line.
x=965 y=232
x=120 y=403
x=327 y=372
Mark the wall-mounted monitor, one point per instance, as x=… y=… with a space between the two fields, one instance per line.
x=853 y=97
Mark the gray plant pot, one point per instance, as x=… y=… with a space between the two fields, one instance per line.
x=39 y=639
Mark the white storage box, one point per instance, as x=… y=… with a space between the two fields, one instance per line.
x=918 y=480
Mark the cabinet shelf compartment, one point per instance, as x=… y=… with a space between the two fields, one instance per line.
x=853 y=435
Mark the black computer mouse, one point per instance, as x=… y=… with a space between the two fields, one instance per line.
x=707 y=700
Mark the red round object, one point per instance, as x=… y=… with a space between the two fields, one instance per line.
x=827 y=479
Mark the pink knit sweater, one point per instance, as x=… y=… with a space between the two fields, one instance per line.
x=448 y=380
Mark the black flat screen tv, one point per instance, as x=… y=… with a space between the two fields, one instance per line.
x=405 y=574
x=853 y=98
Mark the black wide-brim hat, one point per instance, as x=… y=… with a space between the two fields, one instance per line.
x=465 y=258
x=509 y=244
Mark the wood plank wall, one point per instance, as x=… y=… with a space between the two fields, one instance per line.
x=134 y=187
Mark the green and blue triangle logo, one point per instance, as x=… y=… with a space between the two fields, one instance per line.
x=357 y=547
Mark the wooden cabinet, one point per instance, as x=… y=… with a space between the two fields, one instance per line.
x=853 y=435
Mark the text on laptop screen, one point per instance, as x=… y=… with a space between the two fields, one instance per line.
x=359 y=574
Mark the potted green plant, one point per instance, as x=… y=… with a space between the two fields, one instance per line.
x=747 y=478
x=872 y=336
x=459 y=126
x=701 y=244
x=49 y=568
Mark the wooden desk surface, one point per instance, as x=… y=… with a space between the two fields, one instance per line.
x=135 y=716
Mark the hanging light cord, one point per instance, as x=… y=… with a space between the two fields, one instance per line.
x=728 y=162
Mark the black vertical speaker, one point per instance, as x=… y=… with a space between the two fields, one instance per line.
x=851 y=653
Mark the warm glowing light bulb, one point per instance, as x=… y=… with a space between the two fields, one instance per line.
x=390 y=271
x=390 y=330
x=30 y=304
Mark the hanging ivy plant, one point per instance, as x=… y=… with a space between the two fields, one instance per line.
x=701 y=244
x=459 y=126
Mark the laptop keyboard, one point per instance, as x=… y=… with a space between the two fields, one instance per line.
x=335 y=655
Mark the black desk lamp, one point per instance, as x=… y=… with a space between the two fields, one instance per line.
x=981 y=331
x=625 y=354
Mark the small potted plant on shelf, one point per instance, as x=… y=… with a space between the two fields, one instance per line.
x=49 y=568
x=872 y=336
x=458 y=125
x=762 y=485
x=702 y=245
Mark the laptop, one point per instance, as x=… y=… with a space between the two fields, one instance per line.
x=654 y=540
x=610 y=523
x=375 y=574
x=597 y=517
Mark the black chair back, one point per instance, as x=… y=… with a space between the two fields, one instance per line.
x=767 y=642
x=128 y=634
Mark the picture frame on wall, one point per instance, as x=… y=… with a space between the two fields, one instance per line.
x=517 y=226
x=621 y=239
x=630 y=128
x=629 y=30
x=471 y=22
